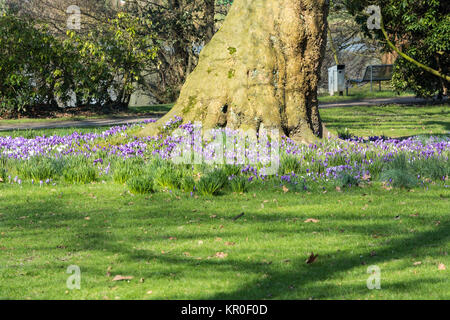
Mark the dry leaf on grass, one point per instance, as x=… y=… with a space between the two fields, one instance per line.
x=311 y=220
x=221 y=255
x=121 y=278
x=417 y=263
x=312 y=258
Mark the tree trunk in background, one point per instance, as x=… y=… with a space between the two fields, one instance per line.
x=210 y=12
x=260 y=70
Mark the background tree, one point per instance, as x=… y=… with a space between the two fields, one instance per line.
x=419 y=29
x=182 y=27
x=41 y=67
x=260 y=70
x=347 y=44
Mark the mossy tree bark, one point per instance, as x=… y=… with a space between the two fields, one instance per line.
x=260 y=70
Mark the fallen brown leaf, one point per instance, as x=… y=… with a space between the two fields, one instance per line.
x=221 y=255
x=312 y=258
x=311 y=220
x=121 y=278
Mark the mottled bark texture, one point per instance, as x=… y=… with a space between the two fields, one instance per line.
x=260 y=70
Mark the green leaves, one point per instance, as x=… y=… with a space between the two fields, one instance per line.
x=100 y=68
x=420 y=29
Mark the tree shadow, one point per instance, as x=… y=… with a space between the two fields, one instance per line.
x=298 y=280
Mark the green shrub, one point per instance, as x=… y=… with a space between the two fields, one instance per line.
x=375 y=169
x=188 y=184
x=126 y=169
x=346 y=179
x=290 y=164
x=295 y=184
x=212 y=182
x=344 y=134
x=434 y=168
x=38 y=68
x=232 y=170
x=82 y=174
x=3 y=175
x=239 y=184
x=400 y=162
x=40 y=168
x=80 y=170
x=141 y=184
x=399 y=178
x=168 y=177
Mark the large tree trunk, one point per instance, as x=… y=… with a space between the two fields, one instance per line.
x=260 y=70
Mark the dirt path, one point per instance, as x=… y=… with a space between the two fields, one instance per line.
x=125 y=120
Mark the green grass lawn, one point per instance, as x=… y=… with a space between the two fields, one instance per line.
x=178 y=247
x=155 y=109
x=391 y=120
x=363 y=92
x=30 y=134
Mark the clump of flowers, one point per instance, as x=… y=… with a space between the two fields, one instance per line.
x=118 y=155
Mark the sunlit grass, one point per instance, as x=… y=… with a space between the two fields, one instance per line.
x=363 y=92
x=390 y=120
x=181 y=247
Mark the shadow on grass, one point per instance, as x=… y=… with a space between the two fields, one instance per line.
x=298 y=280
